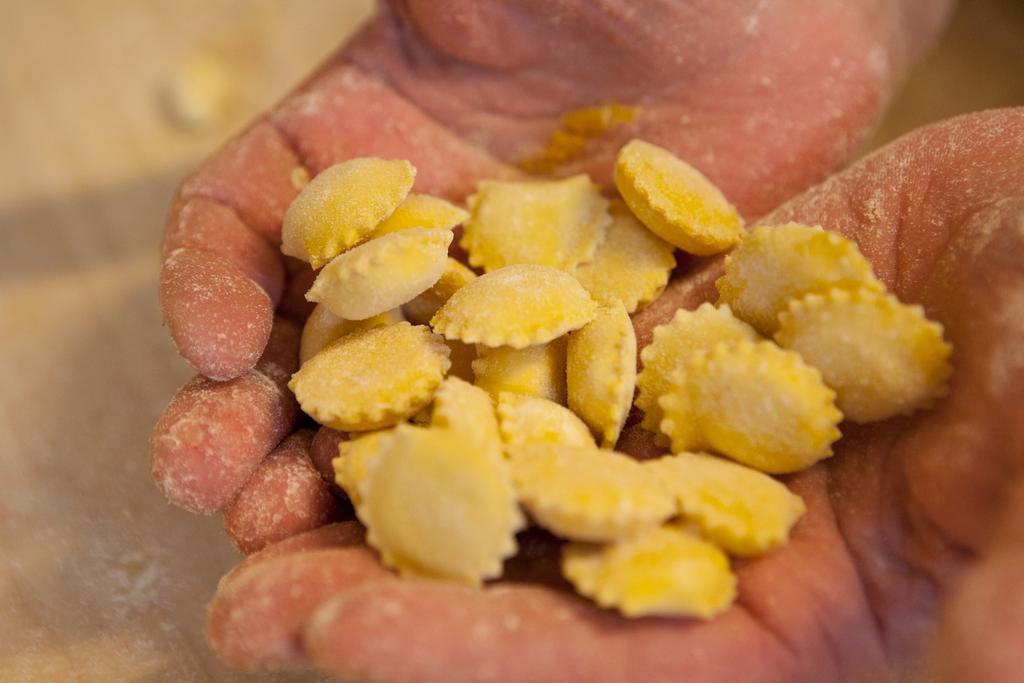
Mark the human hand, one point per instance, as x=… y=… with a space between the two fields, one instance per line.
x=586 y=637
x=914 y=522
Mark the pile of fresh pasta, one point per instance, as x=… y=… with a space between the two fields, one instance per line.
x=480 y=395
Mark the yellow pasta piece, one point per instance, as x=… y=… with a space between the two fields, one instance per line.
x=383 y=273
x=528 y=419
x=342 y=205
x=373 y=378
x=738 y=508
x=422 y=211
x=516 y=306
x=756 y=403
x=557 y=223
x=587 y=494
x=601 y=372
x=323 y=327
x=883 y=358
x=455 y=276
x=353 y=462
x=460 y=406
x=437 y=505
x=675 y=200
x=776 y=264
x=662 y=572
x=687 y=332
x=632 y=265
x=534 y=371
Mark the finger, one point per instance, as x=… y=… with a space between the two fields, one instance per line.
x=329 y=536
x=200 y=223
x=219 y=318
x=345 y=112
x=323 y=451
x=255 y=619
x=252 y=174
x=213 y=434
x=285 y=496
x=212 y=304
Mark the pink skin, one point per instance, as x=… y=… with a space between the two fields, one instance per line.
x=256 y=619
x=856 y=595
x=204 y=224
x=214 y=434
x=323 y=451
x=219 y=318
x=281 y=356
x=285 y=496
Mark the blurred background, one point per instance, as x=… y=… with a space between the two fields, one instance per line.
x=104 y=106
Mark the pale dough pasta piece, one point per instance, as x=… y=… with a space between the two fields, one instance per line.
x=421 y=309
x=437 y=505
x=738 y=508
x=756 y=403
x=675 y=200
x=534 y=371
x=557 y=223
x=778 y=263
x=383 y=273
x=601 y=371
x=342 y=205
x=632 y=265
x=323 y=327
x=422 y=211
x=688 y=331
x=528 y=419
x=516 y=306
x=665 y=571
x=587 y=494
x=373 y=378
x=883 y=358
x=467 y=409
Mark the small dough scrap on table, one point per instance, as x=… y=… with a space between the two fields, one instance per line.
x=528 y=419
x=601 y=371
x=557 y=223
x=756 y=403
x=436 y=505
x=534 y=371
x=342 y=205
x=671 y=344
x=515 y=306
x=383 y=273
x=372 y=379
x=882 y=357
x=675 y=201
x=665 y=571
x=738 y=508
x=587 y=494
x=777 y=263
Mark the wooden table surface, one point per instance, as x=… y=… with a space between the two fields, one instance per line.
x=100 y=580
